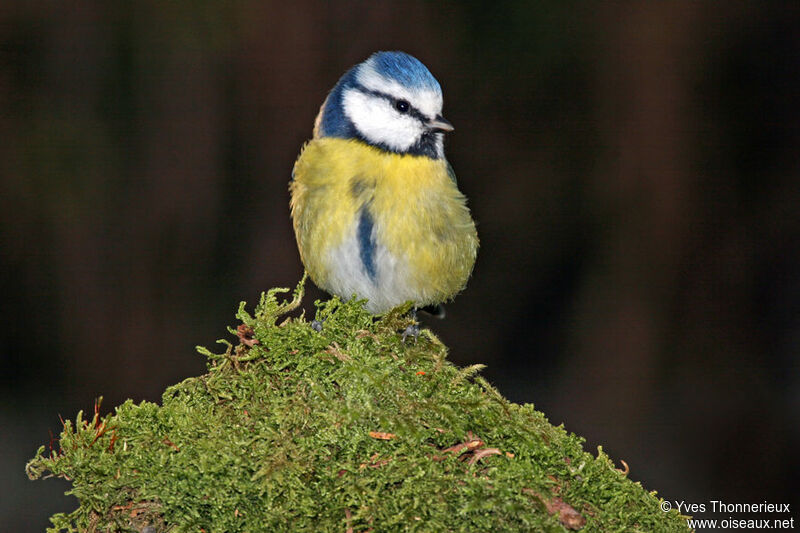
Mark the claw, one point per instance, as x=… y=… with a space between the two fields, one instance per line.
x=316 y=325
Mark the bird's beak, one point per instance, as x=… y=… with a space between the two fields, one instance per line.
x=439 y=123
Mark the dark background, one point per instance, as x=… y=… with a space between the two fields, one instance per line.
x=633 y=169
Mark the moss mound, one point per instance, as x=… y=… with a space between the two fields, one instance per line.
x=344 y=429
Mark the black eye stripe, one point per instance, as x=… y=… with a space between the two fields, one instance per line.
x=413 y=111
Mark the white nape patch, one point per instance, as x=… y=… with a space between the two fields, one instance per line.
x=428 y=101
x=379 y=122
x=347 y=276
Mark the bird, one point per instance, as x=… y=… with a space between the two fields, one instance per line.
x=375 y=207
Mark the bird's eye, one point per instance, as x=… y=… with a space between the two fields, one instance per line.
x=402 y=105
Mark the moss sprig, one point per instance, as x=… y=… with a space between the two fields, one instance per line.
x=342 y=427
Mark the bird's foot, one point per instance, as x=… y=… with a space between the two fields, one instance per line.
x=316 y=325
x=411 y=331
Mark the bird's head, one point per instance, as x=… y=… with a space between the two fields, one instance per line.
x=390 y=101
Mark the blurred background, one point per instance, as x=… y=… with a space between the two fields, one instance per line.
x=633 y=169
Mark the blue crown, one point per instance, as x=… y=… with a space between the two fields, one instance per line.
x=407 y=70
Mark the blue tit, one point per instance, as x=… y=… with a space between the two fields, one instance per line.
x=374 y=203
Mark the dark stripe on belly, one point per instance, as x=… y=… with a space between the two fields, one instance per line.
x=366 y=242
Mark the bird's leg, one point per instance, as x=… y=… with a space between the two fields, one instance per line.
x=413 y=329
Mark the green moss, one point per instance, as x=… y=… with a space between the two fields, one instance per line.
x=347 y=429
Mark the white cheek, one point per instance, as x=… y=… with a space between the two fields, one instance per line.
x=378 y=122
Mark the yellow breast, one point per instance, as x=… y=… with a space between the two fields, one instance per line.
x=422 y=238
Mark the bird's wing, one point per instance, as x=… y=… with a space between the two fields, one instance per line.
x=451 y=172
